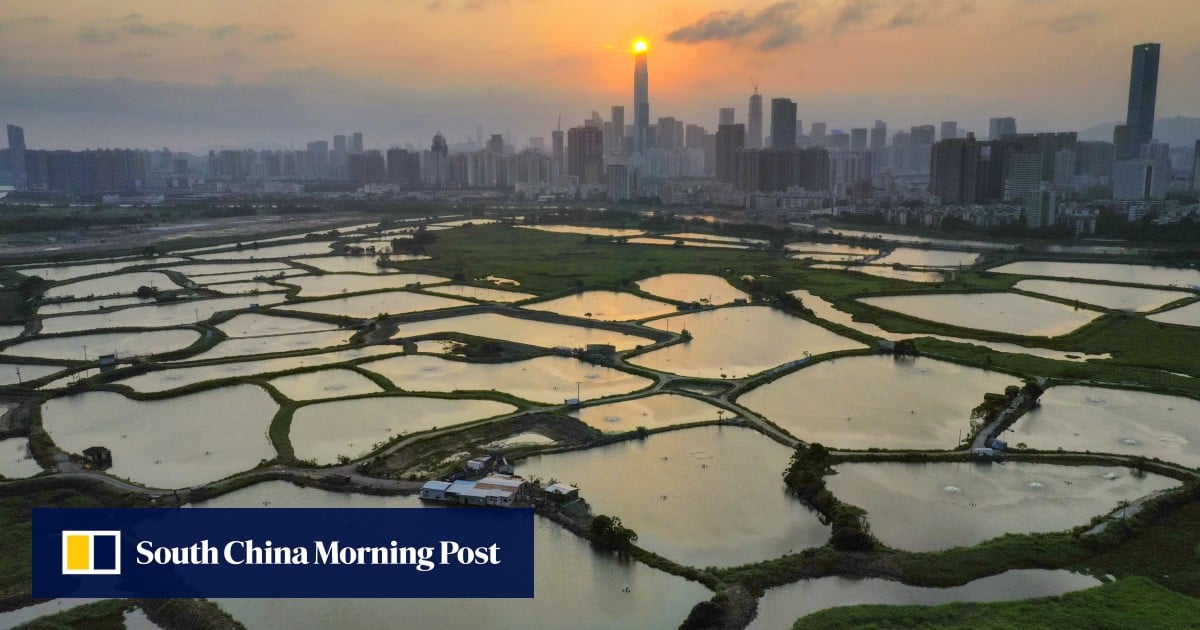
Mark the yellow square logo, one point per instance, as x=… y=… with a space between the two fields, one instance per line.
x=91 y=552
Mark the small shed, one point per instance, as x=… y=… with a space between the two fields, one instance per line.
x=479 y=463
x=466 y=493
x=601 y=349
x=435 y=490
x=561 y=493
x=98 y=456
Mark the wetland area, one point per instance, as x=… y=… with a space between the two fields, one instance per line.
x=681 y=389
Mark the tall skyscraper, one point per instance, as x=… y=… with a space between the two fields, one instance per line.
x=356 y=142
x=16 y=157
x=641 y=100
x=618 y=128
x=783 y=123
x=1000 y=127
x=949 y=130
x=556 y=148
x=1143 y=90
x=725 y=116
x=439 y=162
x=1196 y=167
x=730 y=138
x=754 y=128
x=339 y=167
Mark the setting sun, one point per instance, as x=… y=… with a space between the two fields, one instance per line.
x=639 y=46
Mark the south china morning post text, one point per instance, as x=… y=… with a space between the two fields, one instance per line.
x=333 y=552
x=282 y=552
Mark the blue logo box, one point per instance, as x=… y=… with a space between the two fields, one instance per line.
x=283 y=552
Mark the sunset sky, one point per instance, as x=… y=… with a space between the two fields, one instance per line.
x=87 y=73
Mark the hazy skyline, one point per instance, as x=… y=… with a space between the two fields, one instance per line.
x=80 y=74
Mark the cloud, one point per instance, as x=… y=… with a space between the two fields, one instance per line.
x=478 y=5
x=97 y=37
x=909 y=15
x=1074 y=21
x=223 y=32
x=102 y=34
x=466 y=6
x=774 y=27
x=135 y=25
x=852 y=13
x=37 y=20
x=274 y=37
x=916 y=12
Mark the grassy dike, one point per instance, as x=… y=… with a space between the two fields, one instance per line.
x=1130 y=603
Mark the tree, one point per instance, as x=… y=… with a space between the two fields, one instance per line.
x=609 y=532
x=423 y=236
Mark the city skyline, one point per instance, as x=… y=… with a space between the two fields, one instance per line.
x=193 y=77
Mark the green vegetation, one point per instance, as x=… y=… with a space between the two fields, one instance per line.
x=108 y=614
x=610 y=533
x=17 y=500
x=1128 y=603
x=805 y=477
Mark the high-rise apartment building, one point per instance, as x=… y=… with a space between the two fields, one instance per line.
x=783 y=123
x=953 y=171
x=921 y=139
x=616 y=180
x=879 y=136
x=585 y=154
x=858 y=139
x=617 y=141
x=817 y=135
x=1000 y=127
x=664 y=136
x=730 y=139
x=725 y=116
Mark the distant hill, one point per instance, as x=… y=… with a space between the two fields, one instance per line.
x=1177 y=131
